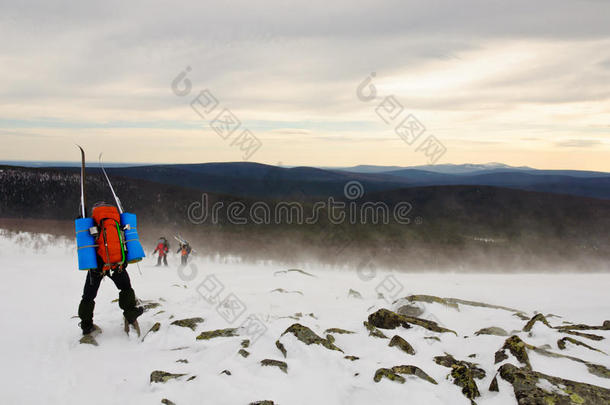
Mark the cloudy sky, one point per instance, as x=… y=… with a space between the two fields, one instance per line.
x=519 y=82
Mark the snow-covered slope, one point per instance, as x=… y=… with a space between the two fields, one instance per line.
x=43 y=361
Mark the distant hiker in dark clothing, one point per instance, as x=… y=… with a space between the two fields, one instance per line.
x=185 y=251
x=111 y=263
x=163 y=249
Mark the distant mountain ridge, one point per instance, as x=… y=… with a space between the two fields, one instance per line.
x=257 y=180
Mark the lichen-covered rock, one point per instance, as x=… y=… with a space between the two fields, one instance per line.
x=191 y=378
x=389 y=374
x=528 y=390
x=584 y=335
x=493 y=386
x=598 y=370
x=604 y=326
x=159 y=376
x=402 y=344
x=244 y=353
x=188 y=322
x=517 y=348
x=262 y=403
x=281 y=347
x=463 y=373
x=414 y=370
x=182 y=361
x=561 y=343
x=245 y=343
x=492 y=330
x=449 y=361
x=463 y=377
x=410 y=310
x=432 y=338
x=307 y=336
x=226 y=372
x=595 y=369
x=153 y=329
x=166 y=401
x=373 y=331
x=352 y=358
x=338 y=331
x=275 y=363
x=386 y=319
x=521 y=316
x=229 y=332
x=536 y=318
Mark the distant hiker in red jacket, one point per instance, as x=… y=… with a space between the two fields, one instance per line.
x=163 y=249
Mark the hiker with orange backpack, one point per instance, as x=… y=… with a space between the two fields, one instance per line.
x=163 y=249
x=106 y=242
x=185 y=251
x=112 y=263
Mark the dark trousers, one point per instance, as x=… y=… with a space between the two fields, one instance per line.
x=94 y=279
x=184 y=259
x=127 y=297
x=164 y=258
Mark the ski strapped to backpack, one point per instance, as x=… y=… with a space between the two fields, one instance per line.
x=109 y=233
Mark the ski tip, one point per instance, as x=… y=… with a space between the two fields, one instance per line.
x=80 y=147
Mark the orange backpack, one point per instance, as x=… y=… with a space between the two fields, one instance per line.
x=110 y=241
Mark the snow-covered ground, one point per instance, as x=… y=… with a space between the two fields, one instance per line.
x=43 y=362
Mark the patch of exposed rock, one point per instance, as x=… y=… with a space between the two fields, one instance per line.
x=528 y=390
x=188 y=322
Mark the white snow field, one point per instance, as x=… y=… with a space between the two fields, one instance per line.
x=43 y=361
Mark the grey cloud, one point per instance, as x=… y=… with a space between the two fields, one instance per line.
x=579 y=143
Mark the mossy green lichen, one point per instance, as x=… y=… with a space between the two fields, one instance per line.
x=211 y=334
x=275 y=363
x=463 y=374
x=584 y=335
x=190 y=323
x=402 y=345
x=561 y=343
x=281 y=347
x=413 y=370
x=386 y=319
x=527 y=389
x=604 y=326
x=517 y=348
x=536 y=318
x=307 y=336
x=159 y=376
x=373 y=331
x=389 y=374
x=338 y=331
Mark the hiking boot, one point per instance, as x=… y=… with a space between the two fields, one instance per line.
x=88 y=328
